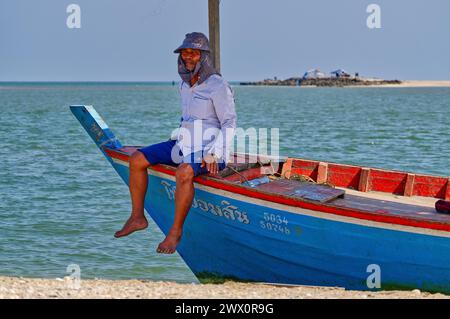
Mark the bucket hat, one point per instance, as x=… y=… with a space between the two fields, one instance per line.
x=194 y=40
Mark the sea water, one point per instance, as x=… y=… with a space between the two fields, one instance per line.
x=61 y=201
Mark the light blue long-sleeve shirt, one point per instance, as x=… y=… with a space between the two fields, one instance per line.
x=208 y=118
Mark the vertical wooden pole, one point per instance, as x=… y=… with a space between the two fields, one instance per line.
x=409 y=185
x=322 y=173
x=364 y=180
x=214 y=31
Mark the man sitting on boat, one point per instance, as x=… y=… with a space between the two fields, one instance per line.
x=207 y=108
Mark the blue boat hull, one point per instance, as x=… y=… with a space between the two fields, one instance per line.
x=231 y=236
x=272 y=245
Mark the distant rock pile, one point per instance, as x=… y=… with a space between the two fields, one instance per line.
x=324 y=82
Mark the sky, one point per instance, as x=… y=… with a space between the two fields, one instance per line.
x=133 y=40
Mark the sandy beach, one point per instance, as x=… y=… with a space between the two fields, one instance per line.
x=66 y=288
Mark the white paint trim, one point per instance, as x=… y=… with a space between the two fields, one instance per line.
x=302 y=211
x=96 y=117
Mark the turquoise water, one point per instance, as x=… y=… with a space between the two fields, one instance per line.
x=62 y=202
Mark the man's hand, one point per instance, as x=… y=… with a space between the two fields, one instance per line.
x=211 y=163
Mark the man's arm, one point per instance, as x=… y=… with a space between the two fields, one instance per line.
x=223 y=101
x=175 y=132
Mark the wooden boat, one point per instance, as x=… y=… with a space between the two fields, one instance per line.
x=305 y=223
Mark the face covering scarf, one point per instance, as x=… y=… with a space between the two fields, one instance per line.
x=204 y=69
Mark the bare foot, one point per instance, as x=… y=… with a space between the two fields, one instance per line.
x=132 y=225
x=169 y=245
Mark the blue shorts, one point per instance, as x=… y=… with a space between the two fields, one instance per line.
x=170 y=154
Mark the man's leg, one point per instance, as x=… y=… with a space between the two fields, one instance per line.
x=184 y=194
x=138 y=188
x=139 y=162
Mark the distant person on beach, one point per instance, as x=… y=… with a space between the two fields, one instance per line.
x=207 y=102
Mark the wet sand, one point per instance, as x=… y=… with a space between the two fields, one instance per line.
x=18 y=288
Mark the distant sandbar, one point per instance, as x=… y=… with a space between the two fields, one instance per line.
x=348 y=82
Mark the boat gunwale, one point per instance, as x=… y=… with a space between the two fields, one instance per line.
x=329 y=208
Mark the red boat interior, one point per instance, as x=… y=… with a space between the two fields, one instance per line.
x=368 y=193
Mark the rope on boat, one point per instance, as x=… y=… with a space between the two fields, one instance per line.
x=275 y=176
x=244 y=168
x=113 y=142
x=237 y=172
x=304 y=178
